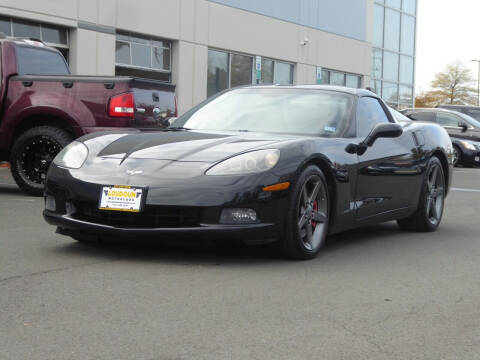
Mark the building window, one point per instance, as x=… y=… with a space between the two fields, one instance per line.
x=51 y=35
x=332 y=77
x=409 y=6
x=392 y=30
x=226 y=70
x=143 y=57
x=241 y=70
x=283 y=73
x=393 y=54
x=267 y=71
x=408 y=35
x=378 y=25
x=217 y=77
x=390 y=66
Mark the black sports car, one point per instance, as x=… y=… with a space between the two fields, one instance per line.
x=289 y=164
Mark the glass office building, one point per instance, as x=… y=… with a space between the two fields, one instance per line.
x=207 y=46
x=393 y=51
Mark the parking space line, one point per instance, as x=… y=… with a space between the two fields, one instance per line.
x=465 y=190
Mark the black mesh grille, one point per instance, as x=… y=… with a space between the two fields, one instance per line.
x=150 y=217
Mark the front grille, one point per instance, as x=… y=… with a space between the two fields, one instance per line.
x=150 y=217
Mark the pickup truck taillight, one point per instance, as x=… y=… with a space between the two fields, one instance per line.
x=122 y=106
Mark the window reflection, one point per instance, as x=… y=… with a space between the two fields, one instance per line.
x=393 y=3
x=406 y=69
x=267 y=71
x=378 y=25
x=377 y=61
x=390 y=92
x=390 y=66
x=241 y=72
x=406 y=94
x=408 y=34
x=409 y=6
x=217 y=77
x=283 y=73
x=392 y=30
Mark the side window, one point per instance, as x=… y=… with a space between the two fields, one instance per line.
x=474 y=113
x=445 y=119
x=422 y=116
x=369 y=114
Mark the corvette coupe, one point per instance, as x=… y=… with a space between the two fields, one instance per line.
x=284 y=164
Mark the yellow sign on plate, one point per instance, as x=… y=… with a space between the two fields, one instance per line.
x=121 y=198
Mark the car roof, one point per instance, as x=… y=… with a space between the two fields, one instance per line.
x=27 y=42
x=447 y=106
x=430 y=110
x=343 y=89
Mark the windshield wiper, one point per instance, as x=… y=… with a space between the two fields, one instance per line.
x=177 y=128
x=241 y=130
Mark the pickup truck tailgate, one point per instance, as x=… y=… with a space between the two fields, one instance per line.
x=155 y=103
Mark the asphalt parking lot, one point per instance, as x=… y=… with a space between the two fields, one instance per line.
x=374 y=293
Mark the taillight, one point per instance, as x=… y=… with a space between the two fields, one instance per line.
x=122 y=106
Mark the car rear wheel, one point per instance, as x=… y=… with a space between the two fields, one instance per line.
x=457 y=155
x=307 y=218
x=431 y=203
x=32 y=154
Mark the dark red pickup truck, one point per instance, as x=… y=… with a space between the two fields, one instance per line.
x=43 y=107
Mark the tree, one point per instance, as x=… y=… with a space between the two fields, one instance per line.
x=452 y=86
x=428 y=99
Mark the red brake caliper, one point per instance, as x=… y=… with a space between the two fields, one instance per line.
x=315 y=208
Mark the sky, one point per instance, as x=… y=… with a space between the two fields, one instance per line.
x=447 y=30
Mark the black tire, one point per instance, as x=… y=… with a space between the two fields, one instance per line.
x=311 y=209
x=431 y=203
x=457 y=158
x=32 y=153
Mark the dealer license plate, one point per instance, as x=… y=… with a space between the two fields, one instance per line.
x=121 y=198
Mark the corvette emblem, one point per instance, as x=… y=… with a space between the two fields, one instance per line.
x=134 y=172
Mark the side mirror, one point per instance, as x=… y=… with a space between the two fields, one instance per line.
x=463 y=126
x=382 y=130
x=172 y=119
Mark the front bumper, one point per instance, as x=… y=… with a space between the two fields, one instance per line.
x=470 y=157
x=68 y=225
x=173 y=208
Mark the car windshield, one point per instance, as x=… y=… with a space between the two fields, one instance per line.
x=470 y=120
x=399 y=116
x=273 y=110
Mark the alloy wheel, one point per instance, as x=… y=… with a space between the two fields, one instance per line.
x=456 y=155
x=36 y=157
x=435 y=194
x=312 y=212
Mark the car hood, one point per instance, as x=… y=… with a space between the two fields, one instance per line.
x=189 y=146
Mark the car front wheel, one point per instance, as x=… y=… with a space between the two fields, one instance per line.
x=307 y=219
x=457 y=155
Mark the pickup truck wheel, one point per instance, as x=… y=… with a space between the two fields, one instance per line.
x=32 y=153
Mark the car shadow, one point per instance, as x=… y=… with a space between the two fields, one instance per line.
x=12 y=190
x=205 y=252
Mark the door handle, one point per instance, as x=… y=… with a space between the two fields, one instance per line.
x=68 y=84
x=27 y=83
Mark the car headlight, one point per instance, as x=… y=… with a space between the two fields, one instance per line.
x=467 y=145
x=72 y=156
x=248 y=163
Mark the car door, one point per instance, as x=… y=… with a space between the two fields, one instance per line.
x=386 y=171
